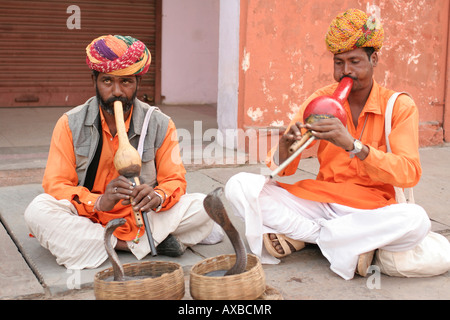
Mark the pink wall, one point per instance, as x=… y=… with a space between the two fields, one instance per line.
x=284 y=59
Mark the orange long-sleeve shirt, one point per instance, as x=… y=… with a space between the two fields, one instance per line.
x=61 y=180
x=366 y=184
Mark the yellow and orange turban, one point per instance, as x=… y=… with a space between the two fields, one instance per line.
x=354 y=29
x=118 y=55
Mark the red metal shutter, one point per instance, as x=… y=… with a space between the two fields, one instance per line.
x=42 y=55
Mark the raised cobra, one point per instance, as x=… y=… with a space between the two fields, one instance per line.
x=118 y=271
x=214 y=207
x=119 y=274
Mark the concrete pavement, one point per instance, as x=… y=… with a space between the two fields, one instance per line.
x=28 y=271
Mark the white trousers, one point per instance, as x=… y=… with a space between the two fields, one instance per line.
x=342 y=233
x=78 y=243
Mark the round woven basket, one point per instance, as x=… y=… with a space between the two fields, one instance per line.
x=248 y=285
x=158 y=280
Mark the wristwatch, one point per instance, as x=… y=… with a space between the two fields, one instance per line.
x=357 y=147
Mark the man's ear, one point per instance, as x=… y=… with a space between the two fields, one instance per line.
x=374 y=59
x=93 y=80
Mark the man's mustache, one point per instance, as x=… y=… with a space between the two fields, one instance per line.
x=111 y=100
x=348 y=76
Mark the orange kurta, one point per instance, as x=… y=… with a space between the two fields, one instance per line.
x=61 y=180
x=366 y=184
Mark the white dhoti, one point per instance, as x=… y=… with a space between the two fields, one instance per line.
x=342 y=233
x=78 y=243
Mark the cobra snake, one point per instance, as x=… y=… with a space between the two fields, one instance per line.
x=118 y=271
x=119 y=274
x=215 y=209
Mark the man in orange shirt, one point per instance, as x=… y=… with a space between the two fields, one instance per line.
x=84 y=191
x=349 y=210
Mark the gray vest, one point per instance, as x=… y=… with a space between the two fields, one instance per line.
x=83 y=123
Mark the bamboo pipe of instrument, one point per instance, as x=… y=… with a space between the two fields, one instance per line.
x=320 y=108
x=128 y=163
x=305 y=142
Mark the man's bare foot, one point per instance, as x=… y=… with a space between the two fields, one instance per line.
x=122 y=245
x=276 y=244
x=279 y=245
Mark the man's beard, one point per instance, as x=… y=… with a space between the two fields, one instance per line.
x=108 y=105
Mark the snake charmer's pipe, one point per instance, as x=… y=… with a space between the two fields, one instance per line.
x=128 y=163
x=322 y=107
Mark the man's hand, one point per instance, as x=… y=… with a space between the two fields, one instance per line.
x=118 y=189
x=287 y=140
x=333 y=131
x=143 y=196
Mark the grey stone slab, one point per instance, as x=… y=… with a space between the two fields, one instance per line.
x=17 y=280
x=22 y=127
x=433 y=190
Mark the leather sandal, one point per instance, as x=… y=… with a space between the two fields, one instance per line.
x=364 y=262
x=283 y=240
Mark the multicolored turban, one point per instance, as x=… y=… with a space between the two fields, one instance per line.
x=118 y=55
x=354 y=29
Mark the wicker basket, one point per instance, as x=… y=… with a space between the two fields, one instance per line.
x=248 y=285
x=167 y=282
